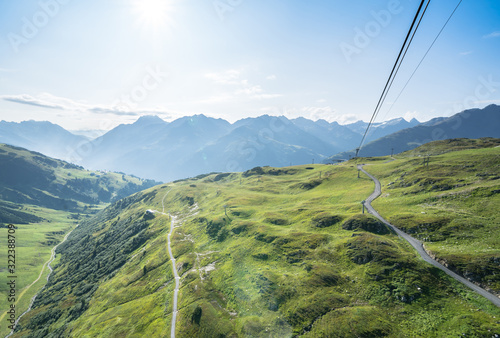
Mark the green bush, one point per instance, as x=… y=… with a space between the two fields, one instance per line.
x=365 y=222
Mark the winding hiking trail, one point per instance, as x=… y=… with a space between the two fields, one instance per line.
x=177 y=280
x=51 y=259
x=172 y=259
x=418 y=245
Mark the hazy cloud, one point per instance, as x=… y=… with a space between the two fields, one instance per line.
x=266 y=96
x=495 y=34
x=46 y=100
x=250 y=90
x=246 y=89
x=346 y=118
x=101 y=110
x=409 y=115
x=319 y=113
x=43 y=100
x=6 y=70
x=218 y=99
x=228 y=77
x=326 y=113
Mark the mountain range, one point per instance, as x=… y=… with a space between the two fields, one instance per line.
x=472 y=123
x=194 y=145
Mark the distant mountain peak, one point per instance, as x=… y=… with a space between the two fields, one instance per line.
x=149 y=119
x=200 y=116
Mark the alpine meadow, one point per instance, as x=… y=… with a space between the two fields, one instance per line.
x=241 y=169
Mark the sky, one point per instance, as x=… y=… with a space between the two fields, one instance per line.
x=93 y=64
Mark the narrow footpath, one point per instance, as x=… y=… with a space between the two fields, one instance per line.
x=51 y=259
x=174 y=270
x=418 y=245
x=177 y=279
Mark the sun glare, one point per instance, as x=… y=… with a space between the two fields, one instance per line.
x=152 y=13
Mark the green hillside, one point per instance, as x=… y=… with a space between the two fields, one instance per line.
x=32 y=178
x=278 y=253
x=44 y=199
x=446 y=146
x=451 y=204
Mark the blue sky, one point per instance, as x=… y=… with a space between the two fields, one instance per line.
x=95 y=64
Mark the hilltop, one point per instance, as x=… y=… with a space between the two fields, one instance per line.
x=283 y=252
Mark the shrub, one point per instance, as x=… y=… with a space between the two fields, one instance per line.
x=365 y=223
x=324 y=220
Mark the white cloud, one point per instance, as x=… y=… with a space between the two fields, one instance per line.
x=326 y=113
x=245 y=89
x=271 y=77
x=266 y=96
x=228 y=77
x=495 y=34
x=319 y=113
x=346 y=118
x=222 y=98
x=311 y=113
x=249 y=90
x=412 y=115
x=321 y=101
x=46 y=100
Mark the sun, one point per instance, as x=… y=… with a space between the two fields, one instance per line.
x=152 y=13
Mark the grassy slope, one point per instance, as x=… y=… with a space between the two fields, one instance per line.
x=32 y=178
x=452 y=206
x=35 y=240
x=278 y=264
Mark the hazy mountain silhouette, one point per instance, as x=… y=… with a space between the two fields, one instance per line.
x=151 y=147
x=44 y=137
x=193 y=145
x=264 y=140
x=472 y=123
x=340 y=137
x=381 y=129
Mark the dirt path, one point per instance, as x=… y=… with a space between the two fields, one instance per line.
x=51 y=259
x=174 y=270
x=418 y=245
x=177 y=279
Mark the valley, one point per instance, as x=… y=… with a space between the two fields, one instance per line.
x=45 y=199
x=253 y=169
x=277 y=252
